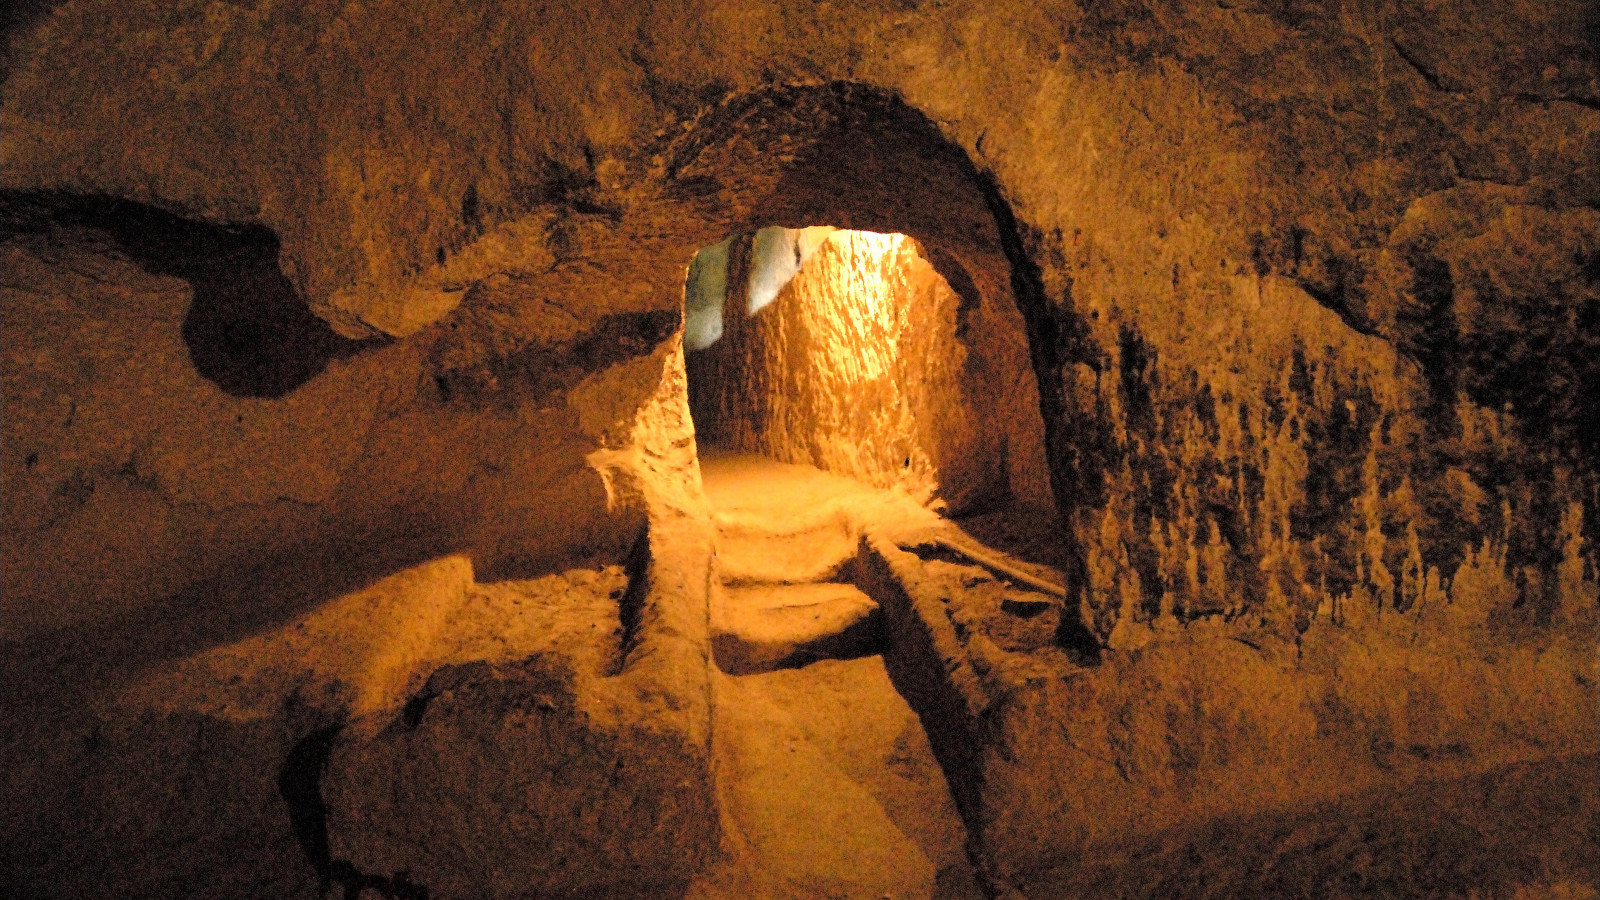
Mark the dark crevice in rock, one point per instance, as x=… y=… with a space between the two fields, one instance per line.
x=1157 y=477
x=1328 y=276
x=1338 y=442
x=472 y=210
x=1538 y=356
x=1431 y=77
x=1591 y=28
x=960 y=281
x=1137 y=365
x=1587 y=102
x=1427 y=324
x=397 y=887
x=1335 y=297
x=247 y=329
x=300 y=785
x=630 y=606
x=570 y=186
x=1058 y=338
x=417 y=706
x=1465 y=171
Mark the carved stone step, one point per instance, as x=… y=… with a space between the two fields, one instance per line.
x=762 y=628
x=798 y=550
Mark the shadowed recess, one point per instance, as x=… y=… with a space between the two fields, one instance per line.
x=247 y=330
x=300 y=785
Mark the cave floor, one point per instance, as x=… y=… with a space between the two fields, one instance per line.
x=829 y=789
x=784 y=498
x=827 y=782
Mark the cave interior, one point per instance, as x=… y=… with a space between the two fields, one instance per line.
x=908 y=450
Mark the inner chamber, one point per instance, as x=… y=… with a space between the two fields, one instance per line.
x=842 y=350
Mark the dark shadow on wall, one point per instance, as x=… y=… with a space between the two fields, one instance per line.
x=1591 y=26
x=247 y=329
x=300 y=786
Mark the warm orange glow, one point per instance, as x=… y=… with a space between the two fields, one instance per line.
x=879 y=243
x=853 y=290
x=853 y=365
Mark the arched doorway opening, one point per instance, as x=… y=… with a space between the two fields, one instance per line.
x=825 y=383
x=842 y=350
x=851 y=325
x=756 y=176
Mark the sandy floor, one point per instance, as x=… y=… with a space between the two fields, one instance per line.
x=829 y=789
x=828 y=786
x=741 y=482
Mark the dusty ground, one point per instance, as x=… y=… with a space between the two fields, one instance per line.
x=829 y=789
x=1525 y=831
x=827 y=783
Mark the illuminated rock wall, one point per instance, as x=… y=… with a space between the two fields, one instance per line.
x=855 y=367
x=1285 y=276
x=1309 y=295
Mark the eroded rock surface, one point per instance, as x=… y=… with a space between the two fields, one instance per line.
x=1308 y=296
x=1179 y=727
x=390 y=739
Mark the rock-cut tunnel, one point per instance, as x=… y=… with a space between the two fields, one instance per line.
x=758 y=512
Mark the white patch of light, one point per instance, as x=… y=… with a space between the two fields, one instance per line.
x=774 y=260
x=776 y=256
x=704 y=293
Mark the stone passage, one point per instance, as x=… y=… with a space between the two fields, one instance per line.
x=855 y=356
x=827 y=783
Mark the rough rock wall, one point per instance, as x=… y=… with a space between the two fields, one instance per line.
x=856 y=368
x=1309 y=289
x=1195 y=180
x=1192 y=743
x=1425 y=174
x=275 y=587
x=131 y=478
